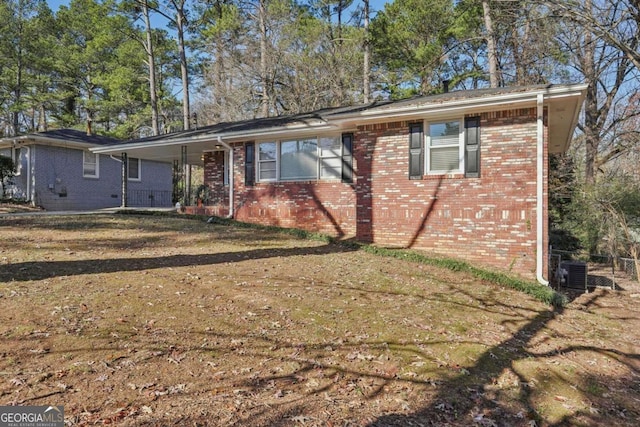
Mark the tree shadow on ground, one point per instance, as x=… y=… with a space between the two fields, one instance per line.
x=39 y=270
x=468 y=399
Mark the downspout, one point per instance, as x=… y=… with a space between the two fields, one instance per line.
x=30 y=185
x=540 y=191
x=125 y=179
x=228 y=147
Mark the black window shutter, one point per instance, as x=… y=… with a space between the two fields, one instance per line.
x=347 y=157
x=249 y=164
x=472 y=147
x=416 y=151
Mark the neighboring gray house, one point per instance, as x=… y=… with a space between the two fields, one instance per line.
x=56 y=171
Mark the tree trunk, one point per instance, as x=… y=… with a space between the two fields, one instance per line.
x=153 y=93
x=591 y=105
x=366 y=82
x=262 y=22
x=492 y=59
x=42 y=118
x=180 y=22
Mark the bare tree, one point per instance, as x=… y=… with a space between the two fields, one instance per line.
x=615 y=21
x=610 y=74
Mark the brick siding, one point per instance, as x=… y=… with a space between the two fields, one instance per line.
x=490 y=220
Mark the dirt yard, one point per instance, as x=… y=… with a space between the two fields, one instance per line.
x=164 y=321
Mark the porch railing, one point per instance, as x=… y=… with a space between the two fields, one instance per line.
x=149 y=199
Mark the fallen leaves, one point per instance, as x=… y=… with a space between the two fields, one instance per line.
x=225 y=326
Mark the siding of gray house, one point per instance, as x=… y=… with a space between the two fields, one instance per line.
x=59 y=183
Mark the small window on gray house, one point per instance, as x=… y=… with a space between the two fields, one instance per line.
x=90 y=164
x=133 y=170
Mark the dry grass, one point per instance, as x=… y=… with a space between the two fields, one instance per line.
x=156 y=321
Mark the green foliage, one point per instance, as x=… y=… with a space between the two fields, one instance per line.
x=7 y=169
x=410 y=38
x=564 y=191
x=542 y=293
x=617 y=201
x=86 y=64
x=604 y=217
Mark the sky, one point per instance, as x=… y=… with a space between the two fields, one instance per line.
x=55 y=4
x=375 y=5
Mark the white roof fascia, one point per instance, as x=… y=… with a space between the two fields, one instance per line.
x=468 y=105
x=35 y=139
x=213 y=138
x=527 y=98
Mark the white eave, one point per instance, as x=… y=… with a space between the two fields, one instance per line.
x=563 y=103
x=171 y=149
x=35 y=139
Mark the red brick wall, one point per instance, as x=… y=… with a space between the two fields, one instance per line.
x=490 y=220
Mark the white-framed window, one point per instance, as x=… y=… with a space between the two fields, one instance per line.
x=134 y=169
x=445 y=146
x=267 y=161
x=324 y=158
x=90 y=164
x=299 y=159
x=330 y=149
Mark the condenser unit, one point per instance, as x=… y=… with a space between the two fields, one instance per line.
x=574 y=274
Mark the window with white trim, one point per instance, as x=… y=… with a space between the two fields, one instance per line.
x=299 y=159
x=133 y=169
x=267 y=160
x=445 y=147
x=330 y=149
x=324 y=158
x=90 y=164
x=451 y=146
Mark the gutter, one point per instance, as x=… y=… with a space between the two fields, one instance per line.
x=231 y=183
x=238 y=135
x=446 y=107
x=30 y=186
x=540 y=191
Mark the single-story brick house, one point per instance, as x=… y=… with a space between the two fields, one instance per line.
x=56 y=171
x=460 y=174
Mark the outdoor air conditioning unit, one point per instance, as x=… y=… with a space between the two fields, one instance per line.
x=574 y=274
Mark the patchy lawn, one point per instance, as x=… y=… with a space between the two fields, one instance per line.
x=13 y=207
x=158 y=321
